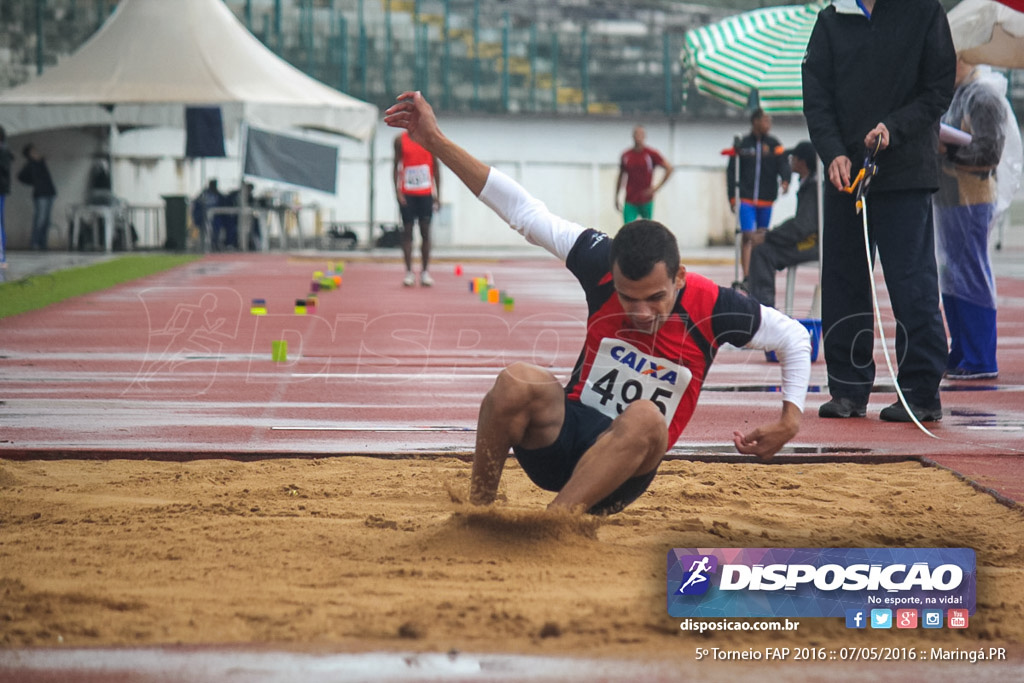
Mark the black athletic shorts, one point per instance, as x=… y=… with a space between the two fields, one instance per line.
x=419 y=206
x=550 y=467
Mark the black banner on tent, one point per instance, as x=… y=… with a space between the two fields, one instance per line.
x=291 y=160
x=204 y=132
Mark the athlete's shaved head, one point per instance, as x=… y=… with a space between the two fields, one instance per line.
x=640 y=245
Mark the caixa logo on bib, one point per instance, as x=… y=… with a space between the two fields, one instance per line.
x=644 y=365
x=816 y=582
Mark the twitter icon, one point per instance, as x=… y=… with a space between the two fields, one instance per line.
x=881 y=618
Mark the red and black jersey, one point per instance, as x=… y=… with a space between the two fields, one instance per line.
x=652 y=366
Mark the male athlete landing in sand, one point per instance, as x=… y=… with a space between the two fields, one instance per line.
x=652 y=331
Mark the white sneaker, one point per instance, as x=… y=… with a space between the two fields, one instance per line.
x=410 y=279
x=426 y=280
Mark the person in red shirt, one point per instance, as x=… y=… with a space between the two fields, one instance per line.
x=418 y=188
x=636 y=167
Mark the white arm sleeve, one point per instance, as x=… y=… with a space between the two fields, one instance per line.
x=528 y=216
x=791 y=342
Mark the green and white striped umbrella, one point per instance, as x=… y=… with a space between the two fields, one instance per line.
x=759 y=50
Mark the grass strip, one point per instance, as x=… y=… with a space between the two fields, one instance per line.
x=37 y=291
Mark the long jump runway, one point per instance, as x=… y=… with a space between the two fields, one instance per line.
x=177 y=367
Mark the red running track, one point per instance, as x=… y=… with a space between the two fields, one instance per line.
x=176 y=366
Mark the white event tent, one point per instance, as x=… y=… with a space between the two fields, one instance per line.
x=153 y=58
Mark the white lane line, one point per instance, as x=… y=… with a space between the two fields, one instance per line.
x=378 y=428
x=449 y=375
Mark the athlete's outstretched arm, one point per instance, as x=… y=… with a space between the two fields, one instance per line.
x=789 y=339
x=415 y=114
x=526 y=214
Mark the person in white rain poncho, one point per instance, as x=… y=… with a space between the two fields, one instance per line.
x=976 y=184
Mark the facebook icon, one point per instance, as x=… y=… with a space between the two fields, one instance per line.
x=856 y=618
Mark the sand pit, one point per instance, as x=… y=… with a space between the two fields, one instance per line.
x=358 y=554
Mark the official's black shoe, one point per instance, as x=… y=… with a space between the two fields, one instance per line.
x=897 y=413
x=843 y=407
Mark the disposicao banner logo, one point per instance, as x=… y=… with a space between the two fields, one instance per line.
x=817 y=582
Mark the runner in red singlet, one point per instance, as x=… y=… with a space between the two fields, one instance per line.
x=418 y=188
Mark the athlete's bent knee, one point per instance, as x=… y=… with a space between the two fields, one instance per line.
x=519 y=384
x=644 y=422
x=523 y=377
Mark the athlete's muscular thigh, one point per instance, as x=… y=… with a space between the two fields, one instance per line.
x=534 y=402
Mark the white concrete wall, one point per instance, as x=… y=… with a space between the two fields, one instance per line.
x=571 y=164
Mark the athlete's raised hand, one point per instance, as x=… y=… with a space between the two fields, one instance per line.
x=413 y=113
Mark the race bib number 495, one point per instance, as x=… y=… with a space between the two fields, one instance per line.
x=621 y=374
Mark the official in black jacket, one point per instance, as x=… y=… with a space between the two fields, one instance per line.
x=764 y=167
x=880 y=70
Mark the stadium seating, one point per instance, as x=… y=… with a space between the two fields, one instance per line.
x=564 y=57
